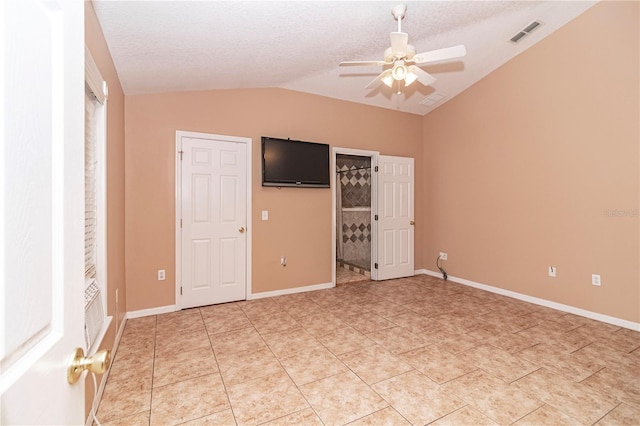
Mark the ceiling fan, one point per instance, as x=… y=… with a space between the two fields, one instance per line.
x=403 y=58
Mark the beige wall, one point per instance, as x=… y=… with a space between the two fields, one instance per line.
x=524 y=168
x=94 y=40
x=514 y=175
x=299 y=224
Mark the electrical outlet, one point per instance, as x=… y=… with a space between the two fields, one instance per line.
x=552 y=271
x=265 y=214
x=595 y=279
x=443 y=255
x=161 y=275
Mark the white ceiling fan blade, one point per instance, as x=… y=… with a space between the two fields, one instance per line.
x=378 y=80
x=362 y=63
x=440 y=54
x=424 y=77
x=399 y=44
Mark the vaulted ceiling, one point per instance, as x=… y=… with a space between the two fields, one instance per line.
x=168 y=46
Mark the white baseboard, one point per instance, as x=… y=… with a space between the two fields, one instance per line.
x=313 y=287
x=123 y=323
x=151 y=311
x=542 y=302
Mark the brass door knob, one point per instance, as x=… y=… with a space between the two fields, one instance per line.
x=412 y=223
x=96 y=363
x=241 y=230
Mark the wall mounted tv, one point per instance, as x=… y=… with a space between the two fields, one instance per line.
x=292 y=163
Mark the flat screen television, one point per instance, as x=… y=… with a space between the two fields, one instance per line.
x=292 y=163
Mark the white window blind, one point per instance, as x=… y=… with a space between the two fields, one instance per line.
x=95 y=259
x=90 y=204
x=94 y=311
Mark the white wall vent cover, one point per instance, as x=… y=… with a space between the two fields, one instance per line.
x=432 y=99
x=93 y=313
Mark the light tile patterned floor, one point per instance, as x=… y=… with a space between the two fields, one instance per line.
x=345 y=276
x=410 y=351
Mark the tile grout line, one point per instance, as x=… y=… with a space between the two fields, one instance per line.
x=215 y=358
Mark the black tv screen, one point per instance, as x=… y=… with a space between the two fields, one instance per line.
x=287 y=162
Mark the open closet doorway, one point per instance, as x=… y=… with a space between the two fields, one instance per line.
x=354 y=228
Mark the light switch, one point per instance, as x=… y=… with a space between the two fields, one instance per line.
x=265 y=214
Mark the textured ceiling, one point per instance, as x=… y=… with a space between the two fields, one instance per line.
x=168 y=46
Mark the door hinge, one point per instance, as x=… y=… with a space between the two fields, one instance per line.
x=180 y=152
x=375 y=217
x=375 y=266
x=180 y=290
x=375 y=169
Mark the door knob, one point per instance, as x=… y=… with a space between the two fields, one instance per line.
x=412 y=223
x=241 y=230
x=96 y=363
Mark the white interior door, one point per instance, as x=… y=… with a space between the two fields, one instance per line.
x=214 y=219
x=395 y=217
x=41 y=210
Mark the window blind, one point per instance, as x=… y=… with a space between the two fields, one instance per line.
x=90 y=201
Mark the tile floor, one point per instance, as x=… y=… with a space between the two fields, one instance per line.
x=410 y=351
x=345 y=276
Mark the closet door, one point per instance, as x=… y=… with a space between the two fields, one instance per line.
x=214 y=235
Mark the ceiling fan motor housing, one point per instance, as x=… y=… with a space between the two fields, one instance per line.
x=390 y=57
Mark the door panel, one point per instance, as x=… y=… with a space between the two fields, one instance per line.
x=389 y=247
x=395 y=207
x=228 y=199
x=201 y=199
x=404 y=255
x=42 y=202
x=201 y=264
x=228 y=261
x=214 y=206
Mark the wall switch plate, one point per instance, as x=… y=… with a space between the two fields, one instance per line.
x=552 y=271
x=161 y=275
x=443 y=255
x=283 y=261
x=595 y=279
x=265 y=214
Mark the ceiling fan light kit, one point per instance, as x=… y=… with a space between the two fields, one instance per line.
x=404 y=60
x=387 y=79
x=399 y=71
x=410 y=78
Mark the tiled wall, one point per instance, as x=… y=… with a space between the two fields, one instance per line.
x=355 y=180
x=356 y=237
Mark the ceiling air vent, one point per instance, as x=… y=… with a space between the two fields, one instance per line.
x=432 y=99
x=525 y=31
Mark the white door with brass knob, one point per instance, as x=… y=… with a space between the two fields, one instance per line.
x=42 y=194
x=213 y=174
x=396 y=226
